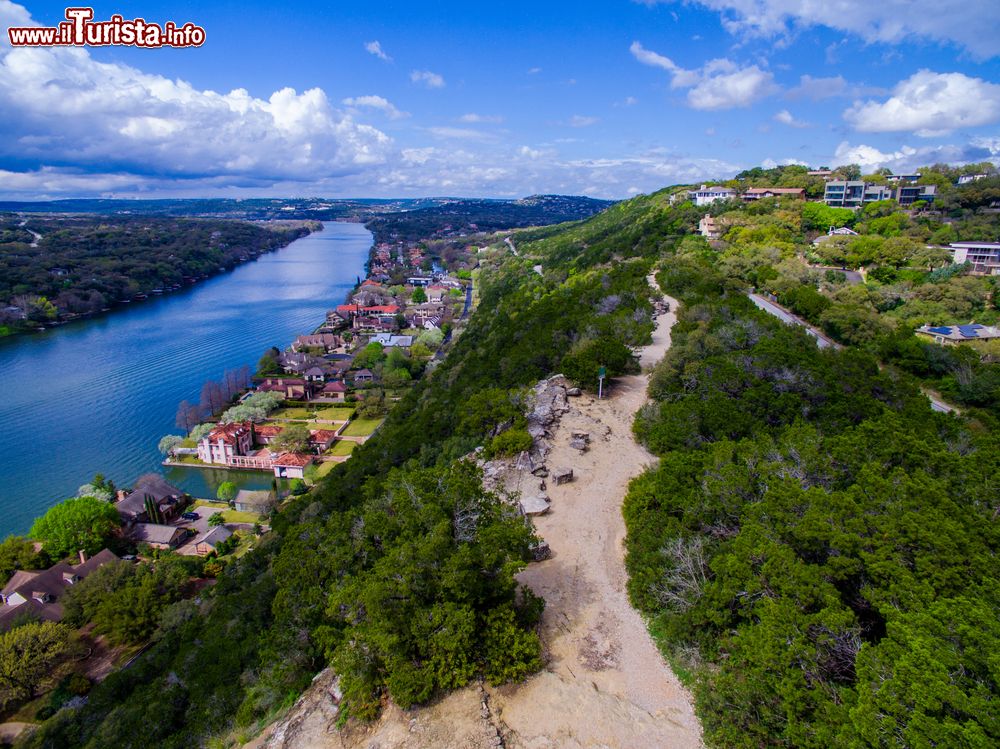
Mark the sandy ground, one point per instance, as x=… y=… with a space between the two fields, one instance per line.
x=605 y=683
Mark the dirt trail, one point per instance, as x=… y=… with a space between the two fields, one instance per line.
x=605 y=683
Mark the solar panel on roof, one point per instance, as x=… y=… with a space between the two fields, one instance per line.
x=941 y=330
x=969 y=331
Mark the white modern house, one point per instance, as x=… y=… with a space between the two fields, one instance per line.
x=706 y=195
x=984 y=257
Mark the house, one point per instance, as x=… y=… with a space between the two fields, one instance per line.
x=290 y=388
x=210 y=540
x=392 y=341
x=951 y=335
x=296 y=362
x=708 y=228
x=321 y=439
x=364 y=375
x=264 y=433
x=419 y=281
x=36 y=593
x=261 y=501
x=967 y=178
x=854 y=193
x=325 y=341
x=899 y=178
x=158 y=536
x=291 y=465
x=756 y=193
x=367 y=325
x=315 y=374
x=910 y=194
x=368 y=283
x=706 y=195
x=169 y=500
x=336 y=390
x=226 y=441
x=824 y=173
x=984 y=257
x=435 y=292
x=833 y=232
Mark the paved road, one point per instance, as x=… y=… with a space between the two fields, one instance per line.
x=823 y=342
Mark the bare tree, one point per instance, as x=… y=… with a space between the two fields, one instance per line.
x=187 y=416
x=682 y=584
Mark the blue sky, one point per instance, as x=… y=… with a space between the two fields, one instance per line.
x=387 y=99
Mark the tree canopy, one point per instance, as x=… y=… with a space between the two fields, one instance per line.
x=81 y=523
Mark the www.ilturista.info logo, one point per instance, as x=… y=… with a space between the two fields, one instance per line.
x=79 y=30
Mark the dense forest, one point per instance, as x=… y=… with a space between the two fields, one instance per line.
x=53 y=268
x=460 y=217
x=817 y=548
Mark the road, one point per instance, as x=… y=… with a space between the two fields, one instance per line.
x=824 y=342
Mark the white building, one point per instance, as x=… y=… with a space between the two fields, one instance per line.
x=983 y=256
x=707 y=195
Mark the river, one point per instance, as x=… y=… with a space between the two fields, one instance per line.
x=95 y=396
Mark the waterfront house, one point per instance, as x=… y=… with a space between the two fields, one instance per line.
x=291 y=465
x=325 y=341
x=290 y=388
x=36 y=593
x=211 y=539
x=260 y=501
x=225 y=442
x=158 y=536
x=169 y=500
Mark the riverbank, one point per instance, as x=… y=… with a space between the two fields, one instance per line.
x=105 y=390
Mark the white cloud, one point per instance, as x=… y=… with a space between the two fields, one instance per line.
x=474 y=118
x=375 y=48
x=718 y=84
x=972 y=24
x=427 y=78
x=908 y=158
x=579 y=120
x=771 y=163
x=376 y=102
x=930 y=104
x=534 y=71
x=786 y=118
x=629 y=101
x=461 y=133
x=819 y=88
x=60 y=106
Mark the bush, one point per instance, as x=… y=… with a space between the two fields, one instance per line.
x=583 y=363
x=511 y=442
x=298 y=487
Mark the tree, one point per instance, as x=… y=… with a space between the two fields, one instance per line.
x=419 y=295
x=226 y=492
x=28 y=656
x=85 y=523
x=397 y=378
x=212 y=398
x=18 y=553
x=201 y=431
x=216 y=519
x=188 y=416
x=168 y=442
x=293 y=439
x=268 y=363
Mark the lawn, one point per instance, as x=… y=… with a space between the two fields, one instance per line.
x=341 y=447
x=325 y=468
x=292 y=413
x=361 y=427
x=230 y=516
x=334 y=414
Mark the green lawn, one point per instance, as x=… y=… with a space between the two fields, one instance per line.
x=361 y=427
x=342 y=447
x=334 y=414
x=230 y=516
x=292 y=413
x=324 y=468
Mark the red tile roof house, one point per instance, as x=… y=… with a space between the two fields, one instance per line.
x=168 y=498
x=263 y=434
x=226 y=441
x=321 y=439
x=291 y=388
x=291 y=465
x=333 y=391
x=36 y=593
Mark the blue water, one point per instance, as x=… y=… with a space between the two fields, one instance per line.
x=95 y=396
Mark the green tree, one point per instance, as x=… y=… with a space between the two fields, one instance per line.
x=216 y=519
x=28 y=656
x=293 y=439
x=268 y=364
x=226 y=491
x=85 y=523
x=168 y=442
x=419 y=296
x=18 y=553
